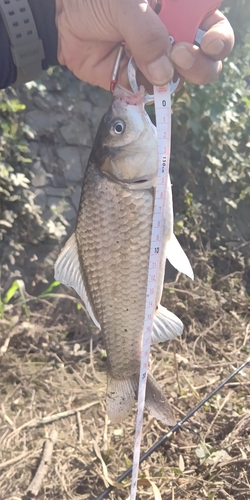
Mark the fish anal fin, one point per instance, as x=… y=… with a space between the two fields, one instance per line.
x=68 y=272
x=166 y=326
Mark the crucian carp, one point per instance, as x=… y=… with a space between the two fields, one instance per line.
x=106 y=259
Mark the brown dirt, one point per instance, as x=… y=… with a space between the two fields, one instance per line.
x=54 y=362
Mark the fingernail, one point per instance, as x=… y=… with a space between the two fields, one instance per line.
x=215 y=47
x=160 y=71
x=182 y=57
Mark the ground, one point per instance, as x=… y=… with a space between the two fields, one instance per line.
x=53 y=366
x=54 y=363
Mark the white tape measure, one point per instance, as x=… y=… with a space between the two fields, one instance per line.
x=163 y=122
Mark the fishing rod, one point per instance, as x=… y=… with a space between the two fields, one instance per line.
x=174 y=429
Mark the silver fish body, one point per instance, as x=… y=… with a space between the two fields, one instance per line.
x=106 y=260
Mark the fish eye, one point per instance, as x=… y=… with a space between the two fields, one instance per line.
x=118 y=127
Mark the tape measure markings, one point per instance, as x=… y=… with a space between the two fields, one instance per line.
x=163 y=120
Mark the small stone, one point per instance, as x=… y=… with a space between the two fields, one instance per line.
x=40 y=175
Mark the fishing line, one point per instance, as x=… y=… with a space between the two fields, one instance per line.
x=174 y=429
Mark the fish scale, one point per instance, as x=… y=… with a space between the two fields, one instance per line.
x=110 y=256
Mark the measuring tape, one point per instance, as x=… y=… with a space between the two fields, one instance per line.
x=163 y=122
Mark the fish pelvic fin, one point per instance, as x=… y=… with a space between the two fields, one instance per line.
x=68 y=271
x=122 y=395
x=177 y=257
x=157 y=403
x=166 y=326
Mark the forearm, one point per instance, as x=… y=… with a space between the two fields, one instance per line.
x=44 y=16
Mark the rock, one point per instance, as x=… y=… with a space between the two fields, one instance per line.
x=99 y=97
x=84 y=107
x=96 y=117
x=84 y=154
x=70 y=213
x=41 y=103
x=76 y=196
x=40 y=198
x=33 y=148
x=40 y=175
x=54 y=202
x=73 y=170
x=47 y=101
x=58 y=192
x=46 y=154
x=42 y=121
x=77 y=132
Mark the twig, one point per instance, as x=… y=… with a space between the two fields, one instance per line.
x=217 y=414
x=176 y=368
x=14 y=460
x=80 y=429
x=42 y=470
x=36 y=422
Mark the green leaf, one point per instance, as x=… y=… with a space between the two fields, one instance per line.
x=11 y=292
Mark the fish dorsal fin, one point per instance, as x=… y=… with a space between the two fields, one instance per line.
x=166 y=326
x=68 y=271
x=177 y=257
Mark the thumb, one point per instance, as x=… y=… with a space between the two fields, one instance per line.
x=147 y=38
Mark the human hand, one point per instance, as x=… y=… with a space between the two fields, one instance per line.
x=90 y=31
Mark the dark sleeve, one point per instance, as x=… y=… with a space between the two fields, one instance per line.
x=44 y=15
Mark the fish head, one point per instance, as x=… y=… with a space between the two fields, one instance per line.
x=128 y=140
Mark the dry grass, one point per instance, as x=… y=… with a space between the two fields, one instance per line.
x=52 y=362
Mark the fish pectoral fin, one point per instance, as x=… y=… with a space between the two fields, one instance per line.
x=166 y=326
x=68 y=272
x=157 y=403
x=177 y=257
x=121 y=397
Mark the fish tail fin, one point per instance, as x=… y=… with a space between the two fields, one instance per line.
x=157 y=403
x=122 y=395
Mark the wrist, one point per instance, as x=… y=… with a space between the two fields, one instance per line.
x=44 y=13
x=28 y=40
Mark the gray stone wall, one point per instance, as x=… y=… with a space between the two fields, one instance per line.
x=61 y=124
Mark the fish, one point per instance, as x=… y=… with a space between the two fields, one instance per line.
x=107 y=257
